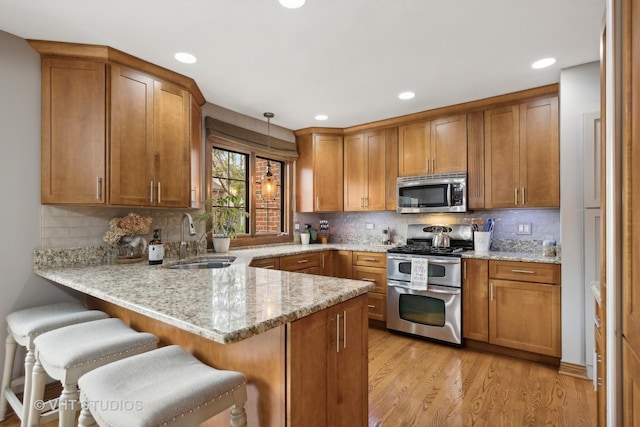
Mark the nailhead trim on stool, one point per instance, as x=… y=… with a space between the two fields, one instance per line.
x=163 y=387
x=68 y=353
x=23 y=327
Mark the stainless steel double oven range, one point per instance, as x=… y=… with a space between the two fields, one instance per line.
x=436 y=312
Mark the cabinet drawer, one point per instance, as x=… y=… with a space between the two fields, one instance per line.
x=525 y=271
x=272 y=263
x=300 y=261
x=377 y=306
x=370 y=259
x=378 y=276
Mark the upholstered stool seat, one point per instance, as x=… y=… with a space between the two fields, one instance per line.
x=23 y=327
x=167 y=386
x=68 y=353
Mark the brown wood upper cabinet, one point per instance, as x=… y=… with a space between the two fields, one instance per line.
x=153 y=115
x=73 y=132
x=150 y=146
x=364 y=171
x=319 y=173
x=433 y=147
x=522 y=155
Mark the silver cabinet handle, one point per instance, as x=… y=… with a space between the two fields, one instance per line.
x=491 y=291
x=523 y=199
x=433 y=165
x=159 y=193
x=98 y=188
x=269 y=266
x=151 y=192
x=337 y=333
x=303 y=261
x=372 y=306
x=523 y=271
x=323 y=260
x=366 y=279
x=344 y=328
x=464 y=270
x=370 y=259
x=515 y=196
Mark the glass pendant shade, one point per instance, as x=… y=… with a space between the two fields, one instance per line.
x=268 y=185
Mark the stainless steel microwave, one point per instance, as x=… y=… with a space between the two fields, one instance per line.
x=432 y=193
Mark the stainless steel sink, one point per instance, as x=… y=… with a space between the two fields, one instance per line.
x=221 y=262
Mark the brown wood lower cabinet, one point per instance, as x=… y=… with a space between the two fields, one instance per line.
x=372 y=267
x=328 y=378
x=513 y=304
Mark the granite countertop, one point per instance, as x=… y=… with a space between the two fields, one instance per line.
x=225 y=305
x=513 y=256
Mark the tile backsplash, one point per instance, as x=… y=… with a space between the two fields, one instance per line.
x=74 y=227
x=358 y=227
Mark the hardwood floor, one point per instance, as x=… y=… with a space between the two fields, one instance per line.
x=413 y=382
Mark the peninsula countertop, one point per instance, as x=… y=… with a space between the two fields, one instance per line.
x=225 y=305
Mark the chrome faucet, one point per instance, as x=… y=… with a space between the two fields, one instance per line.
x=192 y=232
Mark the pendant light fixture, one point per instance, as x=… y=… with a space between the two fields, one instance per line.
x=268 y=182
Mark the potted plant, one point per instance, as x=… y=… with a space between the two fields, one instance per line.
x=225 y=215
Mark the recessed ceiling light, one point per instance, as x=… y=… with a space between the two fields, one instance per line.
x=292 y=4
x=543 y=63
x=321 y=117
x=185 y=57
x=406 y=95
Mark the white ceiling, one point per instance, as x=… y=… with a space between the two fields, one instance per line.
x=348 y=59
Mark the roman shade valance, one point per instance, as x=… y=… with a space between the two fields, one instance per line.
x=246 y=138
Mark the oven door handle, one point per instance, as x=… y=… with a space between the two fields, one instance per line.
x=432 y=259
x=429 y=289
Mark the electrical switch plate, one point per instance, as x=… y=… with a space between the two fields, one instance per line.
x=296 y=226
x=524 y=228
x=369 y=226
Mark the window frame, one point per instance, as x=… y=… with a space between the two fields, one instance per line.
x=286 y=189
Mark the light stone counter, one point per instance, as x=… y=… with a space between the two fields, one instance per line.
x=512 y=256
x=225 y=305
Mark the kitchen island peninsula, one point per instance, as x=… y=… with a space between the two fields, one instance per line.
x=300 y=339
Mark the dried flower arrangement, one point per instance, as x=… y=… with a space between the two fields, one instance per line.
x=131 y=225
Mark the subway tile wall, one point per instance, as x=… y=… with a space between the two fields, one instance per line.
x=74 y=227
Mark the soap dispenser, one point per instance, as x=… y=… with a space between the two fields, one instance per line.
x=156 y=249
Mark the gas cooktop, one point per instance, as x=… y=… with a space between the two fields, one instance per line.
x=420 y=237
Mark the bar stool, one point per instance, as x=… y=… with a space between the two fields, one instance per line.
x=167 y=386
x=67 y=353
x=23 y=327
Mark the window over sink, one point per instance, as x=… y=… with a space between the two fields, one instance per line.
x=234 y=170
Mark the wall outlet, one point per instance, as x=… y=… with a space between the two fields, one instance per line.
x=524 y=228
x=368 y=226
x=296 y=226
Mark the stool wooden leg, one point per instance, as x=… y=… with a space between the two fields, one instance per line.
x=33 y=404
x=9 y=357
x=238 y=413
x=86 y=419
x=68 y=402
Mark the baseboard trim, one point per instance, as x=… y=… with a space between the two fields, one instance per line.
x=573 y=370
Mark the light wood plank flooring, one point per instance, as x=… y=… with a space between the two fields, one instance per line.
x=413 y=382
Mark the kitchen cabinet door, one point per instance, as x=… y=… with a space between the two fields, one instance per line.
x=319 y=173
x=449 y=144
x=414 y=149
x=196 y=155
x=171 y=130
x=630 y=385
x=502 y=156
x=131 y=141
x=73 y=140
x=364 y=172
x=539 y=154
x=347 y=363
x=475 y=292
x=525 y=316
x=391 y=168
x=342 y=264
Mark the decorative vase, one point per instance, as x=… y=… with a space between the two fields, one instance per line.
x=131 y=249
x=221 y=244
